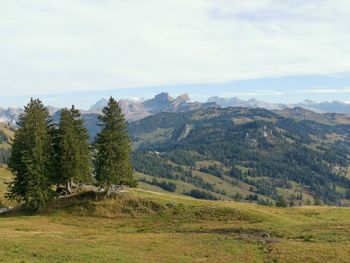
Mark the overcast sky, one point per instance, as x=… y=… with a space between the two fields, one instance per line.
x=49 y=47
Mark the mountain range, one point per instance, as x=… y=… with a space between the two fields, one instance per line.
x=246 y=154
x=138 y=109
x=233 y=149
x=135 y=110
x=318 y=107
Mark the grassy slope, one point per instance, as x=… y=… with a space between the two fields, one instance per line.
x=220 y=184
x=7 y=131
x=5 y=177
x=144 y=226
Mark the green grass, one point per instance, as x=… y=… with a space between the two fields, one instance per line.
x=151 y=225
x=146 y=226
x=221 y=184
x=224 y=188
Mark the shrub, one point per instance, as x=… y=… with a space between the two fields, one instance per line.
x=201 y=194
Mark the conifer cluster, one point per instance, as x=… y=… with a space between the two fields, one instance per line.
x=46 y=154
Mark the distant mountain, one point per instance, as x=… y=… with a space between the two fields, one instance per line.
x=10 y=115
x=138 y=109
x=252 y=103
x=302 y=114
x=98 y=106
x=135 y=110
x=161 y=102
x=318 y=107
x=252 y=154
x=333 y=106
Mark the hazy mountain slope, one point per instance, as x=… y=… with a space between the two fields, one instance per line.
x=6 y=135
x=318 y=107
x=333 y=106
x=98 y=106
x=301 y=114
x=252 y=103
x=10 y=115
x=271 y=153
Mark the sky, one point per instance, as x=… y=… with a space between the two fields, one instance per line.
x=86 y=49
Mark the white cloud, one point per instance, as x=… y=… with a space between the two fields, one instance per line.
x=49 y=46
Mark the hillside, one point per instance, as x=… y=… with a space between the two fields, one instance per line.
x=10 y=115
x=240 y=153
x=5 y=178
x=141 y=226
x=6 y=135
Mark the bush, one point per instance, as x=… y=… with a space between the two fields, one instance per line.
x=201 y=194
x=281 y=201
x=213 y=170
x=171 y=187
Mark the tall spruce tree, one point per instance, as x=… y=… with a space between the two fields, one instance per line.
x=31 y=157
x=113 y=158
x=72 y=153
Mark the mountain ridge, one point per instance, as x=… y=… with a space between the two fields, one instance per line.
x=135 y=110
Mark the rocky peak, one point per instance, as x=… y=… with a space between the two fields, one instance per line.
x=163 y=97
x=308 y=102
x=161 y=102
x=183 y=98
x=99 y=105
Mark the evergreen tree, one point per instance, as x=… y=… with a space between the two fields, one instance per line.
x=72 y=153
x=113 y=158
x=31 y=159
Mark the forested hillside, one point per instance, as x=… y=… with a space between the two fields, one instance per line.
x=290 y=157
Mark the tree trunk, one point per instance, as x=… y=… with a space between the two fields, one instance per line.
x=68 y=187
x=72 y=184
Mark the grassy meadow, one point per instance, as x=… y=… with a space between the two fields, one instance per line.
x=146 y=226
